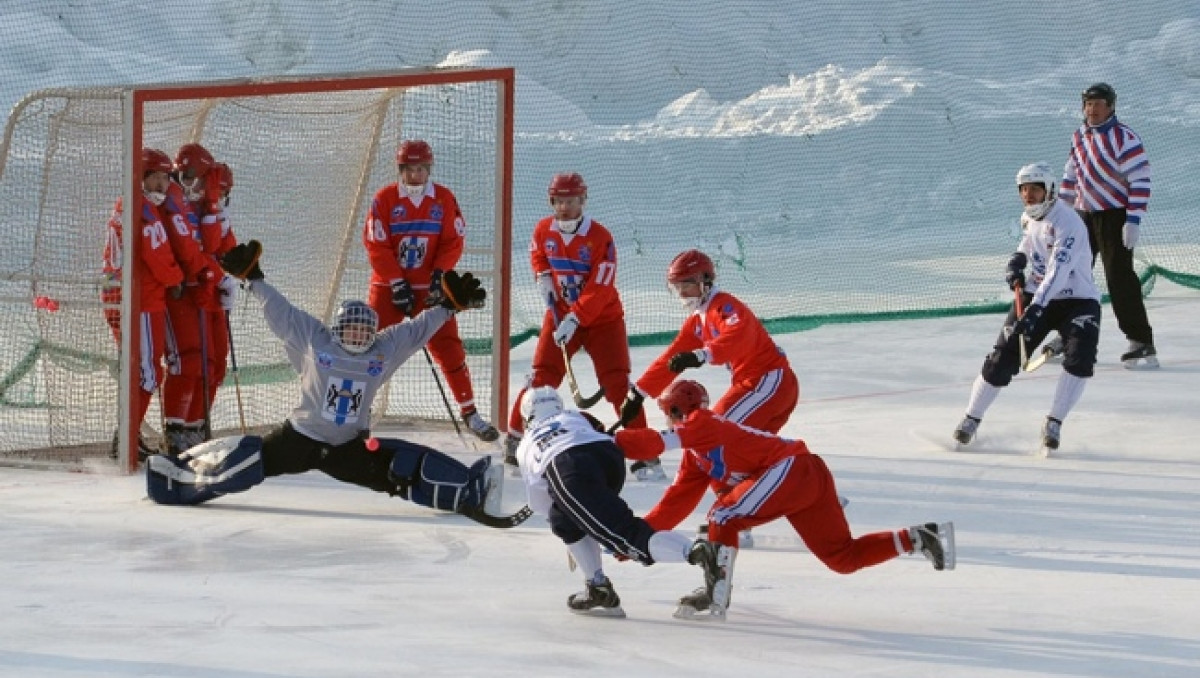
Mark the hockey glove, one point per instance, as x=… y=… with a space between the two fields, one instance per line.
x=402 y=296
x=435 y=289
x=566 y=329
x=241 y=262
x=462 y=292
x=682 y=361
x=1129 y=236
x=228 y=292
x=545 y=284
x=1014 y=275
x=632 y=406
x=1028 y=323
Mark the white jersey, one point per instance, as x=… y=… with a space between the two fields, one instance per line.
x=545 y=441
x=336 y=386
x=1060 y=256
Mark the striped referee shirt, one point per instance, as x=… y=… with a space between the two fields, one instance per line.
x=1107 y=169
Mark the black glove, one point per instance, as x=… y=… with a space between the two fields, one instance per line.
x=436 y=295
x=632 y=406
x=402 y=296
x=681 y=361
x=461 y=292
x=1014 y=275
x=1027 y=323
x=241 y=262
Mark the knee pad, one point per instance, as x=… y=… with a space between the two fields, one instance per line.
x=206 y=471
x=430 y=478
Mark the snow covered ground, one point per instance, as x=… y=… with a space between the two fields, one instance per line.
x=1085 y=564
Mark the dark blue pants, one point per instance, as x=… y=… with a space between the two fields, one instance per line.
x=585 y=484
x=1077 y=320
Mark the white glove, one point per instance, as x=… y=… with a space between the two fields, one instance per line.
x=227 y=290
x=566 y=329
x=546 y=287
x=1129 y=236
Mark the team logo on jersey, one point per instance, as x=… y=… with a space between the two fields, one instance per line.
x=324 y=360
x=375 y=367
x=436 y=213
x=572 y=287
x=343 y=400
x=729 y=314
x=551 y=248
x=585 y=254
x=412 y=251
x=399 y=213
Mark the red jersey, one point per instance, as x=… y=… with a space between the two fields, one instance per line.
x=584 y=266
x=732 y=335
x=717 y=452
x=407 y=240
x=156 y=267
x=216 y=235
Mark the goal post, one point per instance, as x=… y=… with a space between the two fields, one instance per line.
x=307 y=155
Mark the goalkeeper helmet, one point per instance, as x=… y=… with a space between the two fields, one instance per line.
x=354 y=326
x=414 y=152
x=540 y=403
x=681 y=398
x=1038 y=173
x=690 y=277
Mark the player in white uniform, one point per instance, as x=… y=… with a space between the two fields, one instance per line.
x=1059 y=294
x=341 y=368
x=573 y=474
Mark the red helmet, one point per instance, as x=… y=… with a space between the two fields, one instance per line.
x=691 y=265
x=154 y=160
x=568 y=186
x=224 y=177
x=414 y=152
x=193 y=159
x=681 y=398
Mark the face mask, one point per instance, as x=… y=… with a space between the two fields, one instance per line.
x=568 y=225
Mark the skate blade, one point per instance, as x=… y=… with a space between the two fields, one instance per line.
x=1043 y=452
x=607 y=612
x=1150 y=363
x=650 y=475
x=949 y=554
x=689 y=613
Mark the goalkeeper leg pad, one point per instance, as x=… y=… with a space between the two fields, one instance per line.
x=206 y=471
x=435 y=479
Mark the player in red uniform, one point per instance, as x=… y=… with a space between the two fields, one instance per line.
x=157 y=273
x=413 y=233
x=721 y=330
x=206 y=185
x=760 y=477
x=188 y=326
x=574 y=262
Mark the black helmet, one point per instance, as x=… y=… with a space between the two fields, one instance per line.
x=1101 y=90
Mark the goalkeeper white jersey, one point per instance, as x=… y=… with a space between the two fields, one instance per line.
x=1060 y=256
x=336 y=386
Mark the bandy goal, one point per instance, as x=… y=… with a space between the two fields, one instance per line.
x=307 y=155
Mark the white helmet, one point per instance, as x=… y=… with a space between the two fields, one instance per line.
x=1039 y=173
x=362 y=319
x=540 y=404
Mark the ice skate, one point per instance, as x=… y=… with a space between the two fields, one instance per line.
x=649 y=470
x=935 y=542
x=479 y=426
x=597 y=600
x=511 y=443
x=1051 y=434
x=713 y=600
x=965 y=433
x=1140 y=356
x=696 y=605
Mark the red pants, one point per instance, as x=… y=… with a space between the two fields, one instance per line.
x=608 y=346
x=801 y=489
x=445 y=345
x=764 y=404
x=200 y=339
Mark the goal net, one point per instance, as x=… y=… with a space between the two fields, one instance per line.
x=307 y=156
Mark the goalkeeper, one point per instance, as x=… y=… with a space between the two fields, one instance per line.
x=341 y=367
